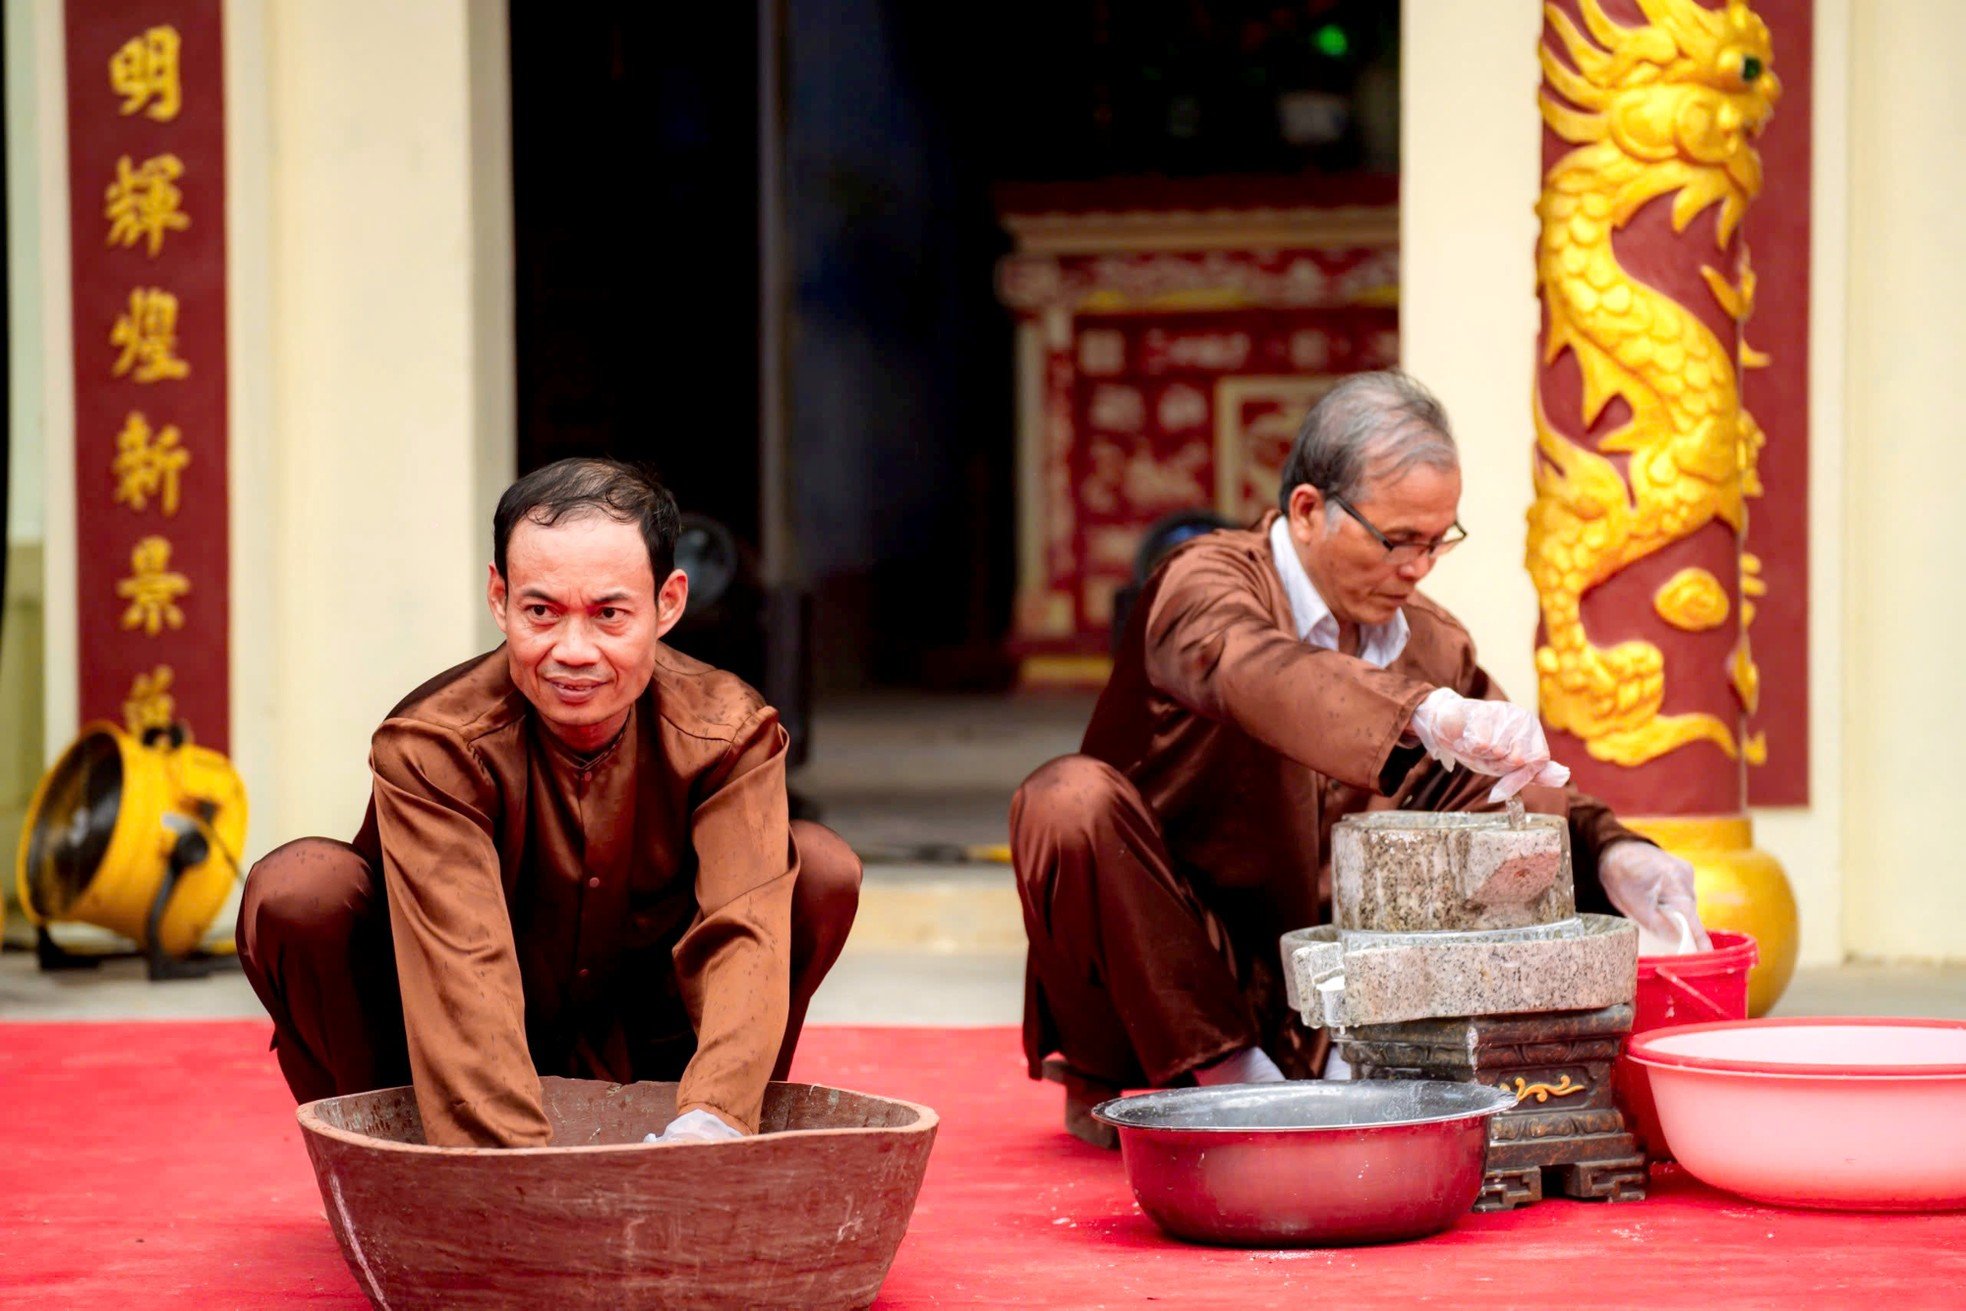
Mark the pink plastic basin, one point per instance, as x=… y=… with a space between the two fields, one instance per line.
x=1853 y=1114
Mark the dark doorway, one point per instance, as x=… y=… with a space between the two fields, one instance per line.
x=635 y=142
x=907 y=123
x=635 y=194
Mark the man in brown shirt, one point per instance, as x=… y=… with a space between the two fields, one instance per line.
x=577 y=859
x=1270 y=682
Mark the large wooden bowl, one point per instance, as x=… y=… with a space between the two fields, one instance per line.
x=807 y=1214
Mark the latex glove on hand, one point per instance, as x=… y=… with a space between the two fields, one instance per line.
x=694 y=1127
x=1647 y=886
x=1489 y=737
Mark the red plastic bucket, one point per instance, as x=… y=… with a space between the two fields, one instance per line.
x=1698 y=988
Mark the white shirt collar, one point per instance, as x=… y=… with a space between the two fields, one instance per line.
x=1379 y=644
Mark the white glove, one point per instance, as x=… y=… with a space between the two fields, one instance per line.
x=1489 y=737
x=694 y=1127
x=1646 y=885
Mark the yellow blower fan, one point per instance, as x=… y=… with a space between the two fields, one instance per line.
x=137 y=836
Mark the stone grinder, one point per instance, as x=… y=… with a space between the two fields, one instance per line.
x=1456 y=952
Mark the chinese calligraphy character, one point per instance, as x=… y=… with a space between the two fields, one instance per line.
x=148 y=335
x=152 y=589
x=142 y=204
x=145 y=72
x=145 y=466
x=150 y=703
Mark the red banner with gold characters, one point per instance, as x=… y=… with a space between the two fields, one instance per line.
x=146 y=167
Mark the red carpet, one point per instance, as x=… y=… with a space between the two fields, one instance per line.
x=157 y=1165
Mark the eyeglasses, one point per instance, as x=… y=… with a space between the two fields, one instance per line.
x=1405 y=552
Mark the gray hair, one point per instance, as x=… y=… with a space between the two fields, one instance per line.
x=1368 y=427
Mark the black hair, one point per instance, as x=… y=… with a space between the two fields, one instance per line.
x=569 y=489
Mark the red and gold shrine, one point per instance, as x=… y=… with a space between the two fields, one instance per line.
x=1170 y=337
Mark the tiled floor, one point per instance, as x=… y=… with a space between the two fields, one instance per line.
x=873 y=985
x=935 y=944
x=896 y=771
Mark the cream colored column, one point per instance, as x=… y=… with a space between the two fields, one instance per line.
x=1809 y=839
x=40 y=512
x=1905 y=769
x=1470 y=170
x=252 y=452
x=372 y=376
x=41 y=345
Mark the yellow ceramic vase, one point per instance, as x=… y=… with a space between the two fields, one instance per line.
x=1741 y=889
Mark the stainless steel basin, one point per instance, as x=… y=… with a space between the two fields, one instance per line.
x=1306 y=1164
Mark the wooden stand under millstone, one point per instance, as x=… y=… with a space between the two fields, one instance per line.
x=1557 y=1062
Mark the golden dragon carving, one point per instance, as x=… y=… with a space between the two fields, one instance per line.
x=1666 y=108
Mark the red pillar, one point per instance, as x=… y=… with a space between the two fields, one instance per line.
x=1645 y=455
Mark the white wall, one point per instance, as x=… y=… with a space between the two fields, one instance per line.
x=1471 y=172
x=370 y=255
x=253 y=431
x=1809 y=840
x=495 y=395
x=22 y=613
x=43 y=409
x=26 y=492
x=1904 y=896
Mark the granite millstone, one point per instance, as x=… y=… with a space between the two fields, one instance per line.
x=1333 y=985
x=1399 y=871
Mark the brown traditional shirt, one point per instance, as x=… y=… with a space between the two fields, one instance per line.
x=583 y=916
x=1250 y=744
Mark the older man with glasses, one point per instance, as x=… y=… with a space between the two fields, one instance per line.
x=1270 y=682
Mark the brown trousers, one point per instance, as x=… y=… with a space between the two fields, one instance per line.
x=1131 y=977
x=315 y=942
